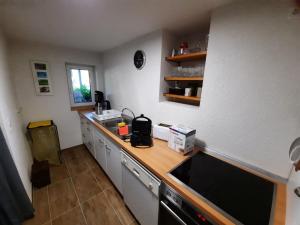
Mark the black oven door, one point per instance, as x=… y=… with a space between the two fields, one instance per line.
x=170 y=214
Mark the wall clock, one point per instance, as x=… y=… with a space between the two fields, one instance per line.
x=139 y=59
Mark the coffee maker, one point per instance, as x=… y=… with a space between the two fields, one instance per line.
x=100 y=102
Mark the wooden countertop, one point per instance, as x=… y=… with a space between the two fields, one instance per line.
x=160 y=160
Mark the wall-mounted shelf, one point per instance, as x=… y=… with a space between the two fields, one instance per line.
x=194 y=100
x=188 y=81
x=187 y=57
x=192 y=78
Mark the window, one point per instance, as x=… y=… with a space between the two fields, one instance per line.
x=81 y=84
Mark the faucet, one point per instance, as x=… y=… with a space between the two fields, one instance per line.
x=124 y=109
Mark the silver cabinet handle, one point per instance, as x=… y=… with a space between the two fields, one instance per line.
x=124 y=161
x=150 y=186
x=172 y=213
x=135 y=172
x=107 y=149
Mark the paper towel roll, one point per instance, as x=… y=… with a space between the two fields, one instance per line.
x=295 y=151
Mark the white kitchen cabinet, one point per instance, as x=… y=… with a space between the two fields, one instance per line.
x=90 y=138
x=83 y=124
x=113 y=164
x=107 y=154
x=100 y=150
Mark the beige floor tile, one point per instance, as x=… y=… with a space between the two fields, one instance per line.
x=73 y=217
x=62 y=197
x=86 y=186
x=98 y=211
x=41 y=206
x=118 y=204
x=58 y=173
x=101 y=178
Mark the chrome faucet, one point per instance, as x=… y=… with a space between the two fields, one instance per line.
x=124 y=109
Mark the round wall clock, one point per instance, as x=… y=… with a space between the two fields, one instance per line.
x=139 y=59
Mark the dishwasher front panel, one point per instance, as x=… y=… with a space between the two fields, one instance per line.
x=138 y=195
x=142 y=203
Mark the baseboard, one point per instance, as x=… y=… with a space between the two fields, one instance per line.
x=75 y=146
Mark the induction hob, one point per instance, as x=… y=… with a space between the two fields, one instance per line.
x=243 y=196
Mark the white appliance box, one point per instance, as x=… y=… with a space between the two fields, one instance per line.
x=181 y=139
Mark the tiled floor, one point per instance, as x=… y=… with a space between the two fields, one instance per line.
x=79 y=194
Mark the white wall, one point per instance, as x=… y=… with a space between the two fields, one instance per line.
x=56 y=107
x=127 y=86
x=10 y=122
x=251 y=93
x=250 y=101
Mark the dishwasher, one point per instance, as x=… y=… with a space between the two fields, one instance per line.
x=140 y=191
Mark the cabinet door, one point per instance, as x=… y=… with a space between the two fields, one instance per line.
x=83 y=124
x=90 y=137
x=113 y=164
x=100 y=150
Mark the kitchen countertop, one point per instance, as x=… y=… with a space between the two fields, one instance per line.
x=160 y=160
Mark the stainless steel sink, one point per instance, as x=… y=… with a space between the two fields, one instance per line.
x=114 y=122
x=112 y=125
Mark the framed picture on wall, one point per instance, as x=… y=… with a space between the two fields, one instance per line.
x=41 y=77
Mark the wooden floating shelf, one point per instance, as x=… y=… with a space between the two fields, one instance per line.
x=187 y=57
x=181 y=97
x=192 y=78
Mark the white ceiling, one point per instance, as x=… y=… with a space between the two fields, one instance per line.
x=98 y=25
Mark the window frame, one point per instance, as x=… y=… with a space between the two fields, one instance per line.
x=91 y=69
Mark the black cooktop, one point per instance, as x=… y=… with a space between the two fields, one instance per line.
x=242 y=195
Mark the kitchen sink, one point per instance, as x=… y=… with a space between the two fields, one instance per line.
x=112 y=125
x=114 y=122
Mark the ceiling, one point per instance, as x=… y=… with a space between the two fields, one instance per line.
x=98 y=25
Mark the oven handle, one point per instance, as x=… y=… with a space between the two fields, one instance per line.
x=172 y=213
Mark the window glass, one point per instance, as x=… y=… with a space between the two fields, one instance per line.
x=81 y=86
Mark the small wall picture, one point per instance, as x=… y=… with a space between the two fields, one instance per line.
x=41 y=78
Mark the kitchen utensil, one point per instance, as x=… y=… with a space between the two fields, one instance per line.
x=98 y=109
x=183 y=47
x=199 y=90
x=176 y=91
x=187 y=91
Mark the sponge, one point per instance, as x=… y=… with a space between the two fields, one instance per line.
x=123 y=130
